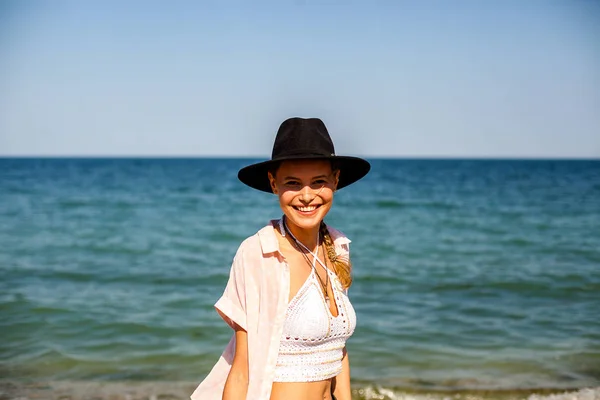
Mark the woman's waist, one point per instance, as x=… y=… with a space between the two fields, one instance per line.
x=318 y=390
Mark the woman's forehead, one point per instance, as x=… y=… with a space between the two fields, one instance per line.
x=304 y=168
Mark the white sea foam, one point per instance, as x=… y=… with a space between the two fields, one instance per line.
x=583 y=394
x=382 y=393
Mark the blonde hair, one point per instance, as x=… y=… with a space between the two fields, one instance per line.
x=341 y=265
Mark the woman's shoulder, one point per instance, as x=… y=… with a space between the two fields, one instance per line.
x=254 y=253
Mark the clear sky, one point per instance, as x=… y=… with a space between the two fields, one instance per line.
x=216 y=78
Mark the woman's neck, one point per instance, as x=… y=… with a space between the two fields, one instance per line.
x=307 y=237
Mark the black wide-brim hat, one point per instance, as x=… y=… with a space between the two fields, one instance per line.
x=298 y=139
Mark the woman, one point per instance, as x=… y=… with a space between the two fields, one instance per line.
x=286 y=298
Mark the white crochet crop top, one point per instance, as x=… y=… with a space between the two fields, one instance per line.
x=312 y=342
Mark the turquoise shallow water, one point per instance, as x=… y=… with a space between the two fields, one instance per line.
x=469 y=274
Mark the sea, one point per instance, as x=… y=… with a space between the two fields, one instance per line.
x=471 y=276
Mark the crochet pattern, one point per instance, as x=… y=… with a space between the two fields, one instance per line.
x=312 y=342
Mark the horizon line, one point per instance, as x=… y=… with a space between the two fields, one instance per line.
x=379 y=157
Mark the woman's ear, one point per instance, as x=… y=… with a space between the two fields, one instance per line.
x=272 y=182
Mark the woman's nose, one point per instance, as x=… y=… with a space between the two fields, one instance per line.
x=306 y=194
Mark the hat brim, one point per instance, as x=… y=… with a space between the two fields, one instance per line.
x=351 y=170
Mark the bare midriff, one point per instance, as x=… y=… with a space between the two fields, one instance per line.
x=320 y=390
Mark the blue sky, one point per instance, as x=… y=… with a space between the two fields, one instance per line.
x=401 y=79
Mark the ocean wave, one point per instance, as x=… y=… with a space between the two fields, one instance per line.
x=371 y=392
x=144 y=386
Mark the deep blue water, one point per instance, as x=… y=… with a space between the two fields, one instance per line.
x=467 y=273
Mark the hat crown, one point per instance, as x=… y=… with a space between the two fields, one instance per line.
x=302 y=137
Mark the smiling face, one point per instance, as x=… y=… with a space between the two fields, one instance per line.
x=305 y=189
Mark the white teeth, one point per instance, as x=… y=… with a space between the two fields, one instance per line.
x=307 y=209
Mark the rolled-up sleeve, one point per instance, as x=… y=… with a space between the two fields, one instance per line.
x=232 y=304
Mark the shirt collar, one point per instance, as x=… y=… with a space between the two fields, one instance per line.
x=269 y=243
x=268 y=240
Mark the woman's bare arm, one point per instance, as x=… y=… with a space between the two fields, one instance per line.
x=236 y=386
x=341 y=383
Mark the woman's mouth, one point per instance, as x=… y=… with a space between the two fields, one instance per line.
x=306 y=209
